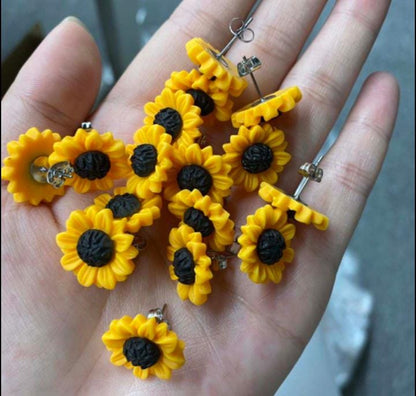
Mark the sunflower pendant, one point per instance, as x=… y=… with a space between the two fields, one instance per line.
x=96 y=248
x=149 y=160
x=298 y=210
x=213 y=102
x=265 y=245
x=145 y=346
x=203 y=215
x=176 y=113
x=255 y=155
x=198 y=168
x=31 y=150
x=97 y=159
x=190 y=264
x=139 y=212
x=220 y=70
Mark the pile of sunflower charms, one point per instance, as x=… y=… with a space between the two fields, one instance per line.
x=167 y=162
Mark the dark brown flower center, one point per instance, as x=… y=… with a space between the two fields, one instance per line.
x=144 y=160
x=141 y=352
x=270 y=246
x=124 y=205
x=194 y=176
x=196 y=219
x=95 y=248
x=257 y=158
x=184 y=266
x=202 y=100
x=92 y=165
x=171 y=120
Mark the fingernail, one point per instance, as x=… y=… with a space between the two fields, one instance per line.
x=74 y=20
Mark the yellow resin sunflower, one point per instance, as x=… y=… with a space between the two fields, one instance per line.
x=144 y=346
x=190 y=264
x=204 y=216
x=214 y=103
x=221 y=71
x=198 y=168
x=265 y=245
x=303 y=213
x=139 y=212
x=254 y=113
x=149 y=159
x=32 y=149
x=176 y=113
x=96 y=248
x=256 y=154
x=97 y=159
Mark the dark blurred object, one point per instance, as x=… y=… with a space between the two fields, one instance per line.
x=12 y=64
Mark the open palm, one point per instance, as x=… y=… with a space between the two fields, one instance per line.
x=247 y=337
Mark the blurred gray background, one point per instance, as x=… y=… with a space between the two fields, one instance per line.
x=384 y=239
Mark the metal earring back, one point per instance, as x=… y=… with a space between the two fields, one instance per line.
x=295 y=207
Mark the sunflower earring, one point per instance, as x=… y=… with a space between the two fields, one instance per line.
x=214 y=65
x=96 y=159
x=31 y=177
x=266 y=107
x=265 y=240
x=292 y=204
x=145 y=345
x=257 y=153
x=97 y=248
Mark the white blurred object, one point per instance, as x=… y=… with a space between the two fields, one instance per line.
x=329 y=359
x=346 y=321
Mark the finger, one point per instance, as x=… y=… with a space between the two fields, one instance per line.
x=122 y=110
x=56 y=87
x=326 y=73
x=291 y=310
x=354 y=162
x=281 y=29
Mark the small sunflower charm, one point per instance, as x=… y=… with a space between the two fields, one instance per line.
x=256 y=154
x=204 y=216
x=267 y=107
x=213 y=102
x=190 y=264
x=139 y=212
x=220 y=70
x=149 y=159
x=97 y=159
x=144 y=345
x=96 y=248
x=27 y=155
x=265 y=245
x=301 y=212
x=176 y=113
x=196 y=168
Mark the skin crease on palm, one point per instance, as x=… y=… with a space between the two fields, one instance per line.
x=247 y=337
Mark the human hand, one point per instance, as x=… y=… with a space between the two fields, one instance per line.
x=247 y=337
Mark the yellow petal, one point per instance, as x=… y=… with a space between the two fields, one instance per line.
x=122 y=241
x=162 y=371
x=106 y=277
x=122 y=266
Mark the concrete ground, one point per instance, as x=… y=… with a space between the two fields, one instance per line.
x=384 y=237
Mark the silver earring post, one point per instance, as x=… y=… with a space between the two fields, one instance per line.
x=159 y=314
x=241 y=32
x=87 y=125
x=248 y=66
x=221 y=258
x=309 y=171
